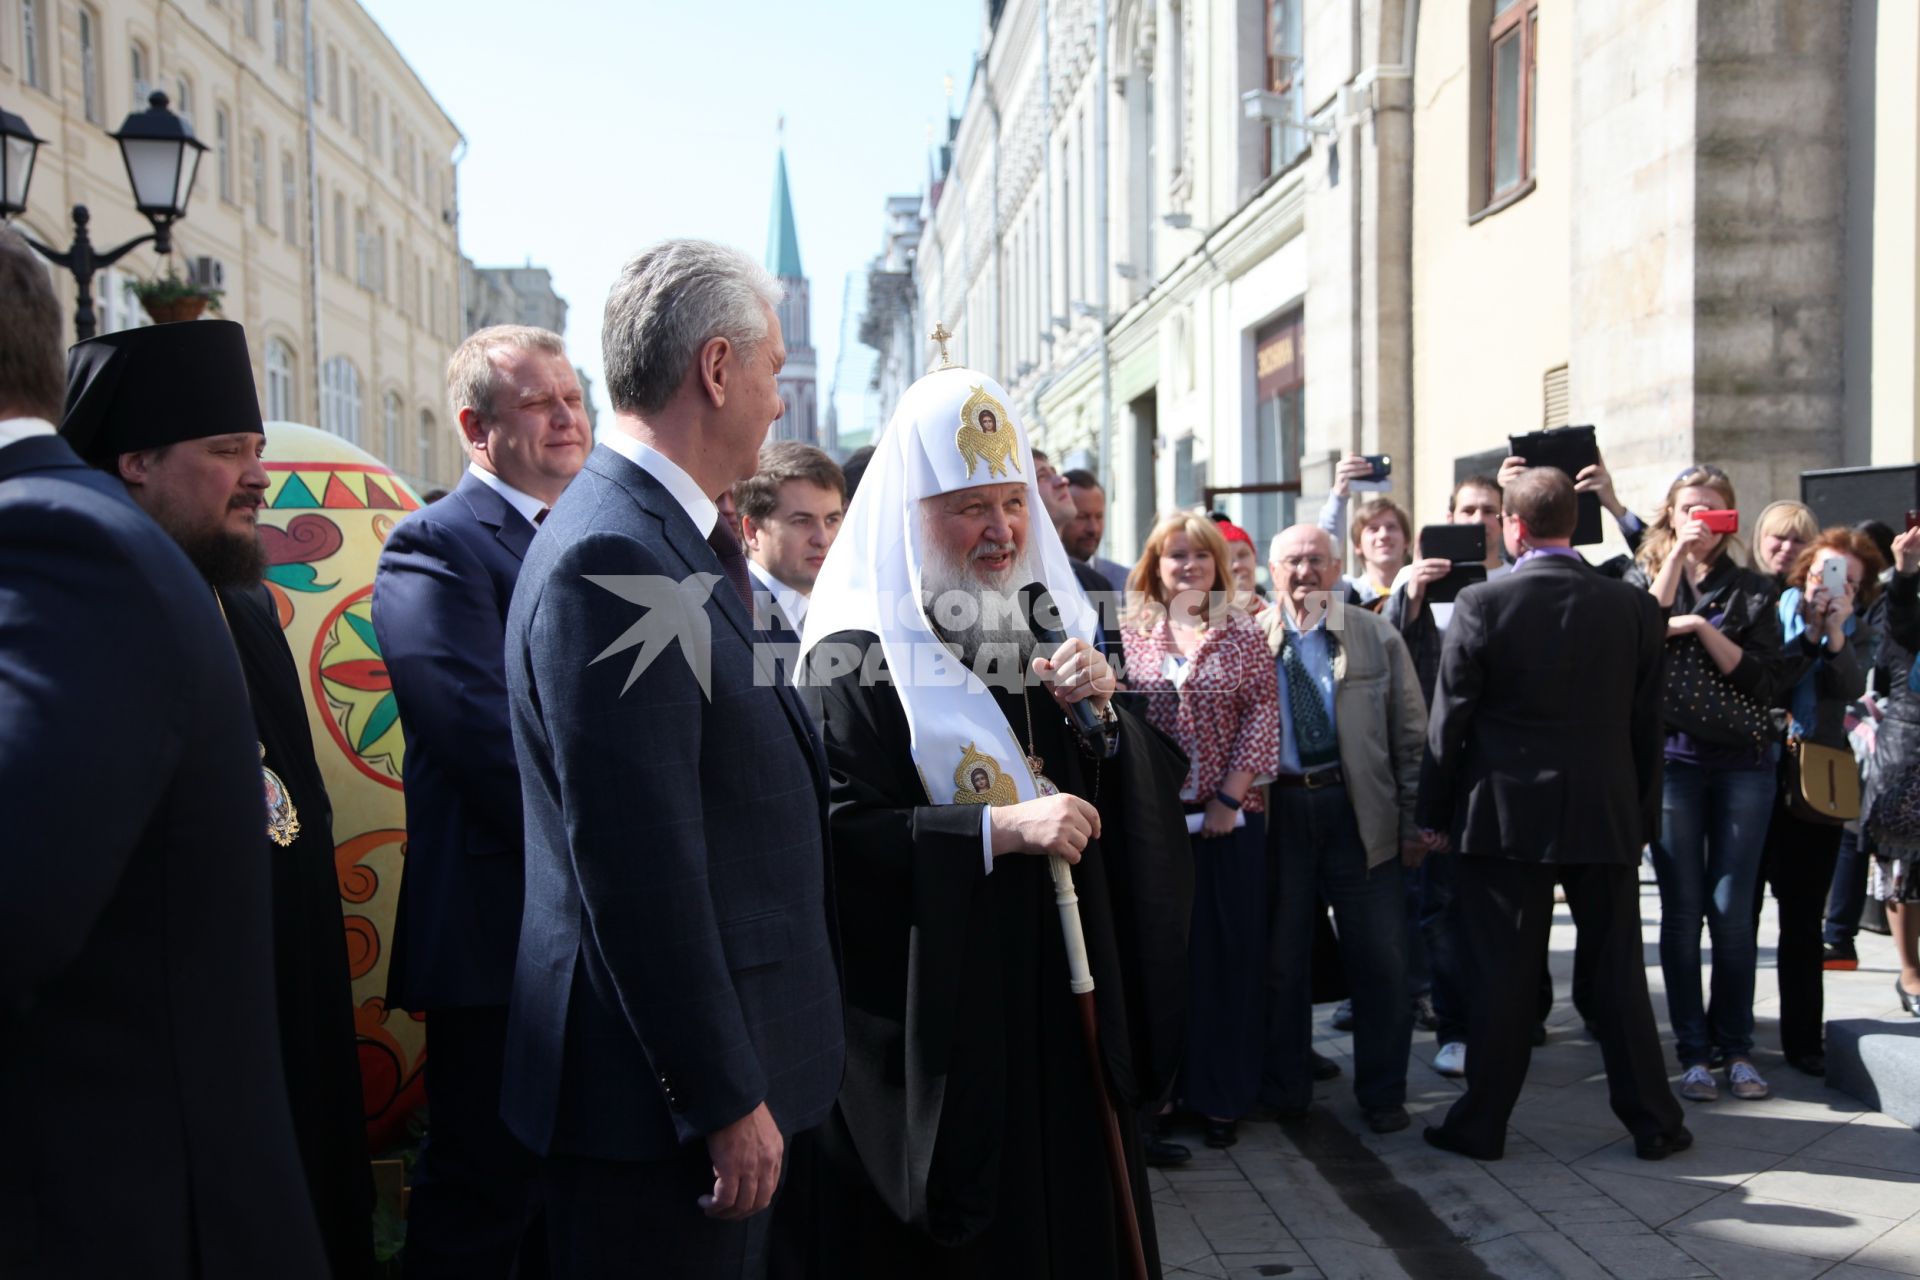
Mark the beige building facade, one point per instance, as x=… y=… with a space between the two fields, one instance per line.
x=326 y=204
x=1212 y=245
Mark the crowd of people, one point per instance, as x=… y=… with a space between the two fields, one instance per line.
x=934 y=881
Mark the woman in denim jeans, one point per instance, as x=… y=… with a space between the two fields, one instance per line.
x=1718 y=795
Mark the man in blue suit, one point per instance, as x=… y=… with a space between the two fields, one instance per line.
x=676 y=1011
x=147 y=1130
x=440 y=602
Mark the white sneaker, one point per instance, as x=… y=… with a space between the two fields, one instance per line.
x=1744 y=1082
x=1451 y=1060
x=1697 y=1086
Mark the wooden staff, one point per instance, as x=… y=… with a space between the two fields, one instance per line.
x=1080 y=979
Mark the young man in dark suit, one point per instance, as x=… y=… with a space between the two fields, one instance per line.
x=148 y=1132
x=1550 y=770
x=676 y=1013
x=440 y=602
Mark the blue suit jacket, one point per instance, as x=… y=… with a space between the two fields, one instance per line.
x=147 y=1131
x=440 y=602
x=676 y=963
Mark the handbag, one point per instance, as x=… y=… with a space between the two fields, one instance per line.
x=1823 y=783
x=1703 y=703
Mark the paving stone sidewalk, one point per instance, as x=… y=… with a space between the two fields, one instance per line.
x=1808 y=1183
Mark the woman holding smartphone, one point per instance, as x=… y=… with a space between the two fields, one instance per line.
x=1829 y=588
x=1719 y=781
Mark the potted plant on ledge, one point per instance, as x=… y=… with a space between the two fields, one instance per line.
x=169 y=298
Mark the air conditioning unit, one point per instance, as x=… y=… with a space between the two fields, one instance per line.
x=207 y=273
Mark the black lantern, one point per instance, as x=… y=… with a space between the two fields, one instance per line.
x=162 y=158
x=18 y=147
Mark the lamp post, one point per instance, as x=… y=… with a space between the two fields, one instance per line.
x=162 y=158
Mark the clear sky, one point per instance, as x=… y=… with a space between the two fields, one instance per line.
x=594 y=129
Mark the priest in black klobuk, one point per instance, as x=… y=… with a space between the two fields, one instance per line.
x=969 y=1136
x=171 y=410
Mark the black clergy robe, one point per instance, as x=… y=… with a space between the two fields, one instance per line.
x=967 y=1140
x=315 y=992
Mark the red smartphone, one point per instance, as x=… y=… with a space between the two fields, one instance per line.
x=1719 y=521
x=1913 y=520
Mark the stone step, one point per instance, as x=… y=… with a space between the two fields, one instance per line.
x=1877 y=1060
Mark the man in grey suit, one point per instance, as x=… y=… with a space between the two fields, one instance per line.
x=675 y=1014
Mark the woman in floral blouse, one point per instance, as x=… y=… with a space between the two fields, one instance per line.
x=1210 y=683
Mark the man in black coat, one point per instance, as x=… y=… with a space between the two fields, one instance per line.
x=147 y=1131
x=1552 y=769
x=171 y=410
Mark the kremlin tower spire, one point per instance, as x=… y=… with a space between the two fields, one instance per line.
x=797 y=379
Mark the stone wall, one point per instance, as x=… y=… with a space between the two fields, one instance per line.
x=1770 y=172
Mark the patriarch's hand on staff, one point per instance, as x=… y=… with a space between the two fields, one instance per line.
x=1077 y=671
x=1059 y=824
x=746 y=1166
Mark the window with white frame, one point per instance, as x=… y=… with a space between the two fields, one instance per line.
x=250 y=18
x=279 y=381
x=390 y=426
x=223 y=152
x=117 y=306
x=340 y=399
x=89 y=64
x=333 y=82
x=33 y=43
x=183 y=98
x=137 y=67
x=289 y=199
x=280 y=33
x=353 y=100
x=426 y=444
x=260 y=179
x=362 y=247
x=340 y=232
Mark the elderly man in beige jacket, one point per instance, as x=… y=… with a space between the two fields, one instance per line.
x=1340 y=824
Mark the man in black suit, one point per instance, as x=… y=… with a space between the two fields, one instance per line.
x=675 y=1015
x=1551 y=769
x=440 y=601
x=1057 y=497
x=147 y=1130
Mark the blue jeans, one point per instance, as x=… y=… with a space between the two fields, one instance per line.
x=1317 y=854
x=1713 y=831
x=1847 y=896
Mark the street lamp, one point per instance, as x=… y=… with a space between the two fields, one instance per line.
x=18 y=147
x=162 y=158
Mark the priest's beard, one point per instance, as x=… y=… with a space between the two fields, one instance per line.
x=223 y=557
x=981 y=622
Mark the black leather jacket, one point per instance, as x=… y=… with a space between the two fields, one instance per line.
x=1747 y=602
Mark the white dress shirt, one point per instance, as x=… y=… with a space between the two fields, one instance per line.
x=13 y=430
x=791 y=602
x=698 y=506
x=525 y=503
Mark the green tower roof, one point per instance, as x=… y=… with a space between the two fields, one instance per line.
x=783 y=240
